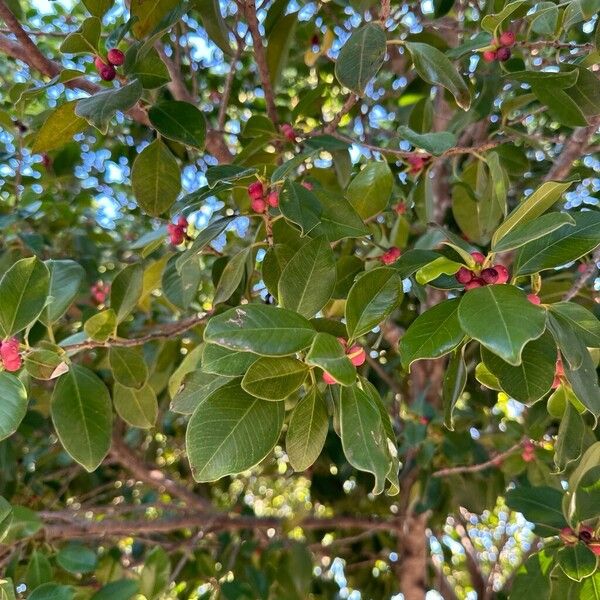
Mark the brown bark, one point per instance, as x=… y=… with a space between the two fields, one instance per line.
x=413 y=558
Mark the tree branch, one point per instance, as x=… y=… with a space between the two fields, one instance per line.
x=493 y=462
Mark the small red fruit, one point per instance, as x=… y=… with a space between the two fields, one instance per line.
x=568 y=536
x=107 y=73
x=586 y=534
x=503 y=54
x=464 y=275
x=594 y=547
x=307 y=185
x=417 y=162
x=182 y=222
x=99 y=292
x=534 y=299
x=115 y=57
x=288 y=132
x=503 y=274
x=400 y=208
x=489 y=275
x=328 y=379
x=273 y=199
x=390 y=256
x=9 y=353
x=256 y=190
x=478 y=257
x=507 y=38
x=99 y=63
x=476 y=282
x=258 y=205
x=176 y=234
x=357 y=355
x=489 y=55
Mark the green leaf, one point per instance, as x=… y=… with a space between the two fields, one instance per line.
x=128 y=366
x=156 y=179
x=540 y=505
x=122 y=589
x=209 y=12
x=99 y=109
x=369 y=192
x=58 y=129
x=279 y=43
x=433 y=270
x=577 y=561
x=148 y=67
x=66 y=277
x=585 y=325
x=531 y=208
x=85 y=40
x=222 y=361
x=82 y=416
x=97 y=8
x=371 y=299
x=6 y=516
x=126 y=290
x=261 y=329
x=532 y=378
x=584 y=382
x=560 y=247
x=179 y=121
x=361 y=57
x=45 y=364
x=180 y=285
x=590 y=590
x=76 y=559
x=532 y=578
x=339 y=219
x=587 y=493
x=156 y=573
x=300 y=206
x=423 y=199
x=150 y=16
x=586 y=92
x=328 y=354
x=39 y=570
x=435 y=143
x=455 y=380
x=492 y=22
x=527 y=232
x=568 y=340
x=232 y=276
x=137 y=407
x=52 y=591
x=25 y=523
x=307 y=430
x=363 y=435
x=197 y=386
x=502 y=319
x=274 y=378
x=308 y=279
x=569 y=440
x=232 y=434
x=435 y=68
x=432 y=334
x=101 y=326
x=23 y=294
x=7 y=589
x=227 y=174
x=544 y=18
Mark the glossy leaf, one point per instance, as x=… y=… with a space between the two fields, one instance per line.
x=435 y=143
x=196 y=387
x=300 y=206
x=569 y=439
x=328 y=354
x=126 y=290
x=577 y=561
x=137 y=407
x=128 y=366
x=540 y=505
x=370 y=190
x=58 y=129
x=101 y=326
x=222 y=361
x=66 y=277
x=232 y=276
x=14 y=404
x=179 y=121
x=76 y=558
x=584 y=382
x=274 y=378
x=453 y=386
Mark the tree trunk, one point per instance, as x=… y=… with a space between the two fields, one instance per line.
x=413 y=558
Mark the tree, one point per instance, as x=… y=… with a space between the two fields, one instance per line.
x=298 y=297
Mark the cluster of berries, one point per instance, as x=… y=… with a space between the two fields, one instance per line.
x=178 y=231
x=585 y=534
x=390 y=256
x=99 y=292
x=9 y=354
x=356 y=353
x=500 y=48
x=106 y=69
x=288 y=132
x=416 y=162
x=259 y=199
x=472 y=279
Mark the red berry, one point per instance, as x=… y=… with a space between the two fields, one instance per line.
x=417 y=162
x=176 y=234
x=307 y=185
x=503 y=54
x=9 y=353
x=288 y=132
x=463 y=275
x=503 y=274
x=478 y=257
x=586 y=533
x=507 y=38
x=46 y=161
x=595 y=548
x=534 y=299
x=256 y=190
x=258 y=205
x=568 y=536
x=314 y=40
x=107 y=73
x=115 y=57
x=424 y=420
x=528 y=455
x=357 y=355
x=476 y=282
x=99 y=292
x=489 y=275
x=99 y=63
x=489 y=55
x=582 y=268
x=400 y=208
x=390 y=256
x=273 y=199
x=328 y=379
x=182 y=222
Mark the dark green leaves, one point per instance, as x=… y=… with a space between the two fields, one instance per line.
x=327 y=353
x=369 y=192
x=126 y=290
x=128 y=366
x=502 y=319
x=371 y=299
x=308 y=279
x=300 y=206
x=66 y=276
x=434 y=143
x=155 y=179
x=435 y=68
x=138 y=407
x=540 y=505
x=59 y=128
x=231 y=434
x=361 y=57
x=82 y=416
x=14 y=404
x=577 y=561
x=76 y=558
x=179 y=121
x=432 y=334
x=260 y=329
x=23 y=294
x=274 y=378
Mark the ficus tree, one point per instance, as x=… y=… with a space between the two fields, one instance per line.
x=299 y=299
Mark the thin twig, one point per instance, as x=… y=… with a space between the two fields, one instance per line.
x=493 y=462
